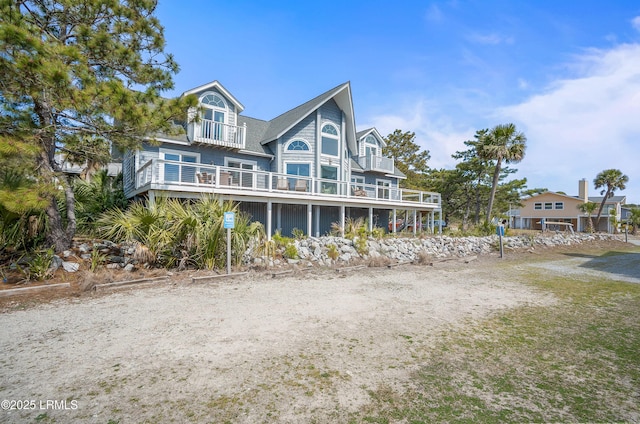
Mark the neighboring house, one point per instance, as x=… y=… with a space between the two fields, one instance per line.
x=307 y=168
x=557 y=207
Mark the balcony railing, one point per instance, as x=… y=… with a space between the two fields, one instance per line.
x=160 y=174
x=219 y=134
x=376 y=163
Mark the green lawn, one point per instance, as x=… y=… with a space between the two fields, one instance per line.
x=575 y=361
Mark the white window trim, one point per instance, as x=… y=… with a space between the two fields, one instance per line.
x=335 y=137
x=357 y=181
x=226 y=109
x=253 y=163
x=376 y=145
x=288 y=143
x=299 y=162
x=163 y=151
x=388 y=187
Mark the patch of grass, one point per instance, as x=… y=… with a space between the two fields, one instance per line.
x=576 y=360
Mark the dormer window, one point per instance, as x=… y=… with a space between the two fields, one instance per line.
x=298 y=145
x=214 y=115
x=330 y=140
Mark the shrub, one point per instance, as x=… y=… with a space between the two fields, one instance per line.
x=291 y=251
x=360 y=244
x=332 y=251
x=97 y=259
x=378 y=233
x=298 y=234
x=280 y=240
x=39 y=266
x=169 y=229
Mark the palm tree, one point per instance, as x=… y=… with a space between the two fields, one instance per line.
x=588 y=208
x=612 y=180
x=505 y=144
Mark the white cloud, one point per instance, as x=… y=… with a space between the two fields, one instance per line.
x=581 y=126
x=433 y=133
x=635 y=22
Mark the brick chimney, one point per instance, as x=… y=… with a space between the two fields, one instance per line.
x=583 y=190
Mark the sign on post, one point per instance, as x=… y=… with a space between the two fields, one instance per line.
x=229 y=223
x=229 y=220
x=500 y=233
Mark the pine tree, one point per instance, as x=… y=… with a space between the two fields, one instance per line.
x=79 y=76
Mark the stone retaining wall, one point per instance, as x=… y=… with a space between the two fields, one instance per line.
x=316 y=251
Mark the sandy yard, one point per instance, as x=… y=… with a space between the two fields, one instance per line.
x=302 y=348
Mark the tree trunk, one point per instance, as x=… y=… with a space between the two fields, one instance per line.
x=604 y=199
x=56 y=235
x=494 y=186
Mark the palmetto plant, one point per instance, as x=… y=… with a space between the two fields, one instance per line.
x=94 y=197
x=172 y=230
x=588 y=208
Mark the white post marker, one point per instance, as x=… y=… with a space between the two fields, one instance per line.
x=229 y=223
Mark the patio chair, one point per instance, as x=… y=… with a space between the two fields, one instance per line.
x=301 y=185
x=283 y=184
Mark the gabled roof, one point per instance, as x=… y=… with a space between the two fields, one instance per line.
x=215 y=84
x=613 y=199
x=254 y=135
x=362 y=134
x=341 y=94
x=554 y=193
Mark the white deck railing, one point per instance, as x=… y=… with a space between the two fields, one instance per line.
x=376 y=163
x=163 y=174
x=219 y=134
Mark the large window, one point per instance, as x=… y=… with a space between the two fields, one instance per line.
x=213 y=116
x=330 y=140
x=301 y=169
x=383 y=188
x=243 y=177
x=179 y=172
x=328 y=173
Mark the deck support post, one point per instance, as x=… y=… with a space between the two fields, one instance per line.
x=309 y=220
x=269 y=219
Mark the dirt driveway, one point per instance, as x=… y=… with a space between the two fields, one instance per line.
x=305 y=348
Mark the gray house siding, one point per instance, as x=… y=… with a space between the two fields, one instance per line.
x=305 y=130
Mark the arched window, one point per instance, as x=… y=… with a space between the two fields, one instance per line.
x=330 y=140
x=298 y=145
x=214 y=116
x=371 y=146
x=214 y=100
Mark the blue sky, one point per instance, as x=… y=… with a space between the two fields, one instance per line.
x=567 y=73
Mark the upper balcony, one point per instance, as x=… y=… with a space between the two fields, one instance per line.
x=193 y=178
x=376 y=163
x=215 y=133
